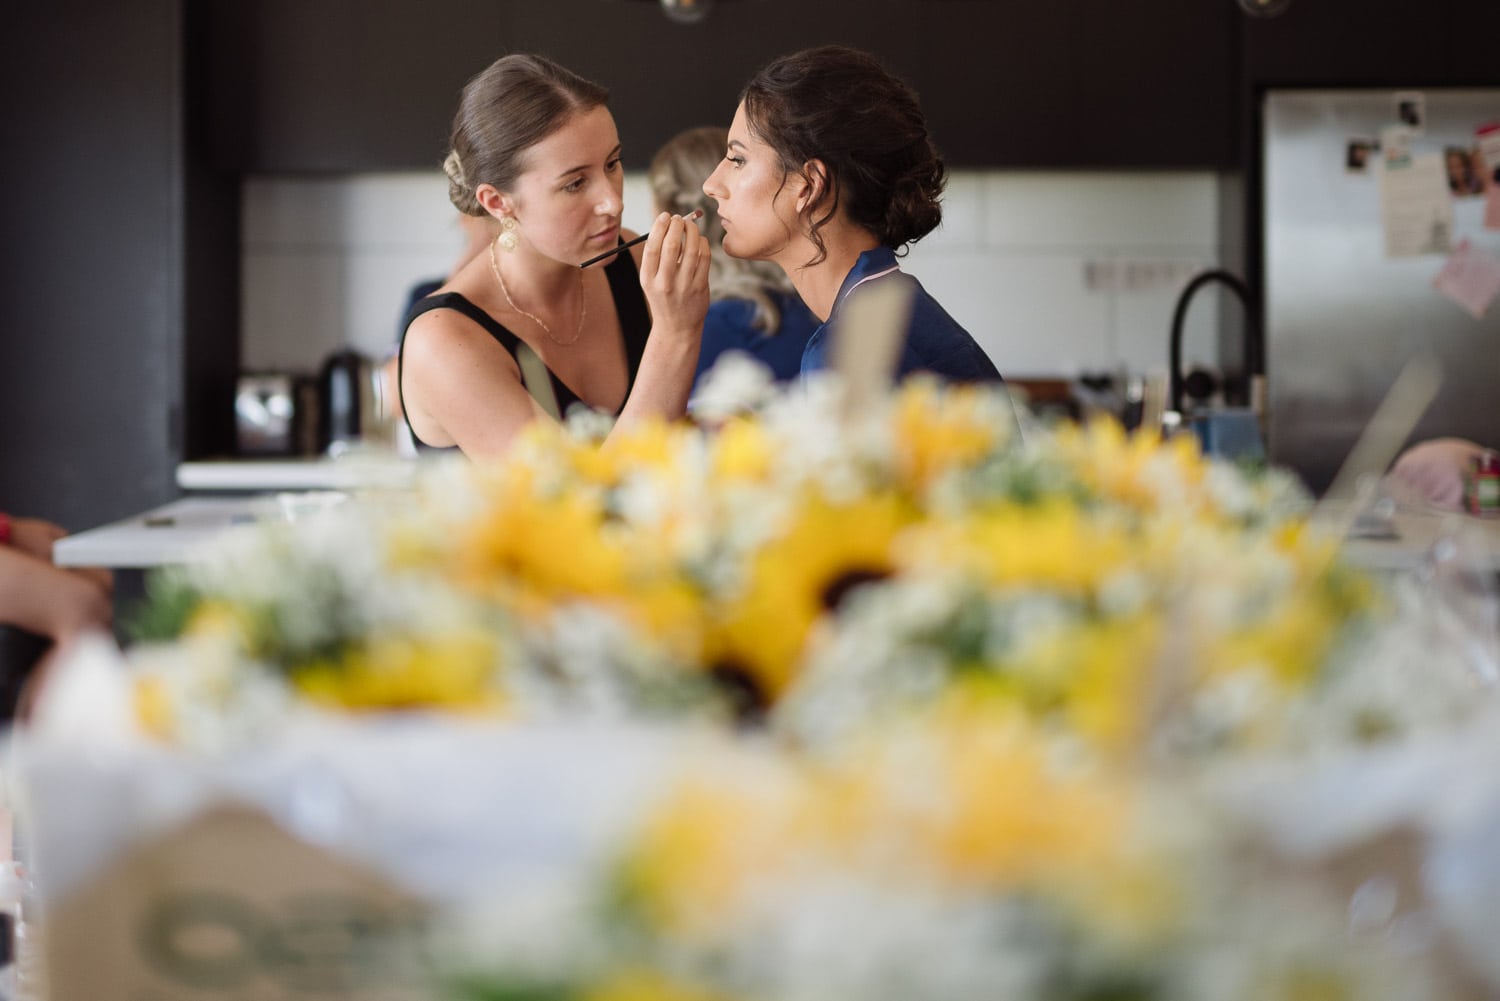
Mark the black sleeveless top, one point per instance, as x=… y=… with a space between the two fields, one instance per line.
x=630 y=308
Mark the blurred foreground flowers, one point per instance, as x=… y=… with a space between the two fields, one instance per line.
x=987 y=714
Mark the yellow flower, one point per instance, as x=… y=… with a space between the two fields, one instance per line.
x=153 y=707
x=1139 y=470
x=556 y=547
x=669 y=611
x=649 y=444
x=218 y=619
x=1114 y=671
x=704 y=852
x=742 y=452
x=797 y=577
x=648 y=985
x=1014 y=817
x=453 y=671
x=938 y=430
x=1053 y=546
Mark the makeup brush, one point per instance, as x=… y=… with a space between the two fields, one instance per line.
x=696 y=214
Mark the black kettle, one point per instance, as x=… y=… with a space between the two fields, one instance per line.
x=344 y=388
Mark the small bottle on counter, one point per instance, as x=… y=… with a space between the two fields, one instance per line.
x=1482 y=486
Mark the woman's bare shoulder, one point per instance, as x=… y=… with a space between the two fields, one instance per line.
x=443 y=342
x=460 y=385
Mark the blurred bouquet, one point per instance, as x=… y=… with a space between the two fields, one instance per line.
x=997 y=714
x=961 y=855
x=797 y=566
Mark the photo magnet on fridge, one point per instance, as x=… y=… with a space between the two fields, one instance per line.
x=1411 y=109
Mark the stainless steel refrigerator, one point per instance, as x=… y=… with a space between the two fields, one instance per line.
x=1341 y=315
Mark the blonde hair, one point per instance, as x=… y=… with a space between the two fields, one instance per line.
x=676 y=176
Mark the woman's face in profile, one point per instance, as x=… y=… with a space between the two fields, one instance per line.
x=568 y=200
x=757 y=199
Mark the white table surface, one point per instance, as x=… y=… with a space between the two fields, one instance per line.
x=170 y=533
x=1417 y=531
x=167 y=534
x=352 y=470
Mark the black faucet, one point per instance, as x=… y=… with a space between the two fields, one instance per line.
x=1254 y=360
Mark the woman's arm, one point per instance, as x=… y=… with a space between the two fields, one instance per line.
x=673 y=264
x=1434 y=469
x=47 y=600
x=35 y=536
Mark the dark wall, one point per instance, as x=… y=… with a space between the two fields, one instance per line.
x=335 y=85
x=91 y=212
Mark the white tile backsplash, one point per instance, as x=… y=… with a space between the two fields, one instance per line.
x=1024 y=209
x=328 y=263
x=963 y=215
x=1030 y=313
x=291 y=314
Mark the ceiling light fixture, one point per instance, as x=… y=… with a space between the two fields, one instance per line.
x=687 y=11
x=1258 y=8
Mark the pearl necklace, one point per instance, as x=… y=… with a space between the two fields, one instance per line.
x=582 y=303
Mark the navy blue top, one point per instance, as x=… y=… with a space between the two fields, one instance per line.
x=934 y=341
x=730 y=326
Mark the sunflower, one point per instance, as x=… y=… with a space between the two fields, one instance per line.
x=825 y=550
x=455 y=671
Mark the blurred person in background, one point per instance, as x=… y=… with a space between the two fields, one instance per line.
x=55 y=606
x=753 y=307
x=1434 y=470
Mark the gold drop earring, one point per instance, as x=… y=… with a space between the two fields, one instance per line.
x=507 y=239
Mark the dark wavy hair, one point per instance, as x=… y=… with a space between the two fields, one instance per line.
x=840 y=106
x=515 y=103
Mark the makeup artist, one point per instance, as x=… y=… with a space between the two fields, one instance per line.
x=830 y=172
x=522 y=331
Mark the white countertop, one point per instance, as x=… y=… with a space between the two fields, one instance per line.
x=170 y=533
x=1417 y=531
x=167 y=534
x=347 y=472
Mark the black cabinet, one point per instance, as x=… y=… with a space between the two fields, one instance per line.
x=352 y=85
x=1080 y=83
x=1374 y=43
x=664 y=77
x=92 y=383
x=339 y=85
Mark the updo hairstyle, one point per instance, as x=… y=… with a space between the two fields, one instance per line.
x=840 y=106
x=508 y=108
x=676 y=175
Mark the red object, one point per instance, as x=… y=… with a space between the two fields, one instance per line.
x=4 y=529
x=1482 y=496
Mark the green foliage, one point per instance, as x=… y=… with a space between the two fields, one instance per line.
x=480 y=988
x=169 y=604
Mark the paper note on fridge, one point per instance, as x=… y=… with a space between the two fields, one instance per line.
x=1415 y=206
x=1470 y=278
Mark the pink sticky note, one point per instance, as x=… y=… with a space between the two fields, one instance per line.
x=1470 y=278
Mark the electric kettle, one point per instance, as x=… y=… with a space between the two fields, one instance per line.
x=346 y=400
